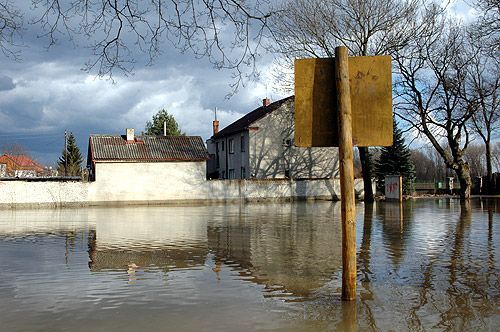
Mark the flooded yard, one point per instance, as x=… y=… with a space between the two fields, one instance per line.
x=426 y=265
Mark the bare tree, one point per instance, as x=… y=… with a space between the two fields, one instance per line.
x=440 y=171
x=496 y=157
x=476 y=159
x=14 y=149
x=423 y=166
x=481 y=92
x=429 y=166
x=313 y=28
x=488 y=23
x=432 y=70
x=10 y=28
x=227 y=32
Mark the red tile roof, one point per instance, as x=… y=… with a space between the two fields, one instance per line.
x=20 y=162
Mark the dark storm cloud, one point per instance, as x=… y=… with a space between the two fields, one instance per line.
x=6 y=83
x=47 y=92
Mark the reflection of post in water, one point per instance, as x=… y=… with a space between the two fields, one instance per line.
x=349 y=320
x=92 y=245
x=364 y=249
x=69 y=243
x=393 y=230
x=394 y=214
x=364 y=266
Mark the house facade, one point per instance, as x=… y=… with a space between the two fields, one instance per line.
x=131 y=167
x=260 y=145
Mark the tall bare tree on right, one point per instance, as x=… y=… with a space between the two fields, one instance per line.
x=482 y=86
x=488 y=22
x=432 y=70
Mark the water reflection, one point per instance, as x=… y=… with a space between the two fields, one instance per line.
x=147 y=238
x=282 y=250
x=429 y=264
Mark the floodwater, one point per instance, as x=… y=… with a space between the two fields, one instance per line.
x=425 y=265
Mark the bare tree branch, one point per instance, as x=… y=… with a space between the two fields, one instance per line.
x=227 y=32
x=11 y=22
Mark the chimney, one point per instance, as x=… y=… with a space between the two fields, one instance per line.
x=130 y=134
x=215 y=123
x=265 y=102
x=216 y=126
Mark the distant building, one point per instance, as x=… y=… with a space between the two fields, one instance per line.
x=260 y=145
x=129 y=160
x=19 y=166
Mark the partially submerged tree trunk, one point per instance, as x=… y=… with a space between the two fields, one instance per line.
x=489 y=170
x=366 y=169
x=463 y=172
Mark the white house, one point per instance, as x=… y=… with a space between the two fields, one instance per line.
x=133 y=168
x=260 y=145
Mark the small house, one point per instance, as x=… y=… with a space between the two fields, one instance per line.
x=145 y=165
x=19 y=166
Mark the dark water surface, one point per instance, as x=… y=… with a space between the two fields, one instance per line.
x=430 y=265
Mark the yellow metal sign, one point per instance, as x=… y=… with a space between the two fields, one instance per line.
x=370 y=81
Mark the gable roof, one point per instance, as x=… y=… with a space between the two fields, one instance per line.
x=21 y=162
x=146 y=148
x=246 y=121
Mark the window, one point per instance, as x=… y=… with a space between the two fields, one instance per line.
x=242 y=143
x=231 y=145
x=231 y=174
x=243 y=173
x=223 y=175
x=222 y=145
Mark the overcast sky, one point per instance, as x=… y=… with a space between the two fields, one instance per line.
x=47 y=92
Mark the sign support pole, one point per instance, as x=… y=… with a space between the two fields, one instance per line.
x=348 y=211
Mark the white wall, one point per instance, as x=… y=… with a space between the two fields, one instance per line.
x=24 y=193
x=148 y=181
x=129 y=191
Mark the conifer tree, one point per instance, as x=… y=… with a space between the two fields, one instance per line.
x=155 y=127
x=395 y=160
x=73 y=157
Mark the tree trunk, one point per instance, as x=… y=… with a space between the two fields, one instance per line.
x=366 y=169
x=489 y=170
x=463 y=173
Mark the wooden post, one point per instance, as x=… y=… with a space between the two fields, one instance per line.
x=348 y=212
